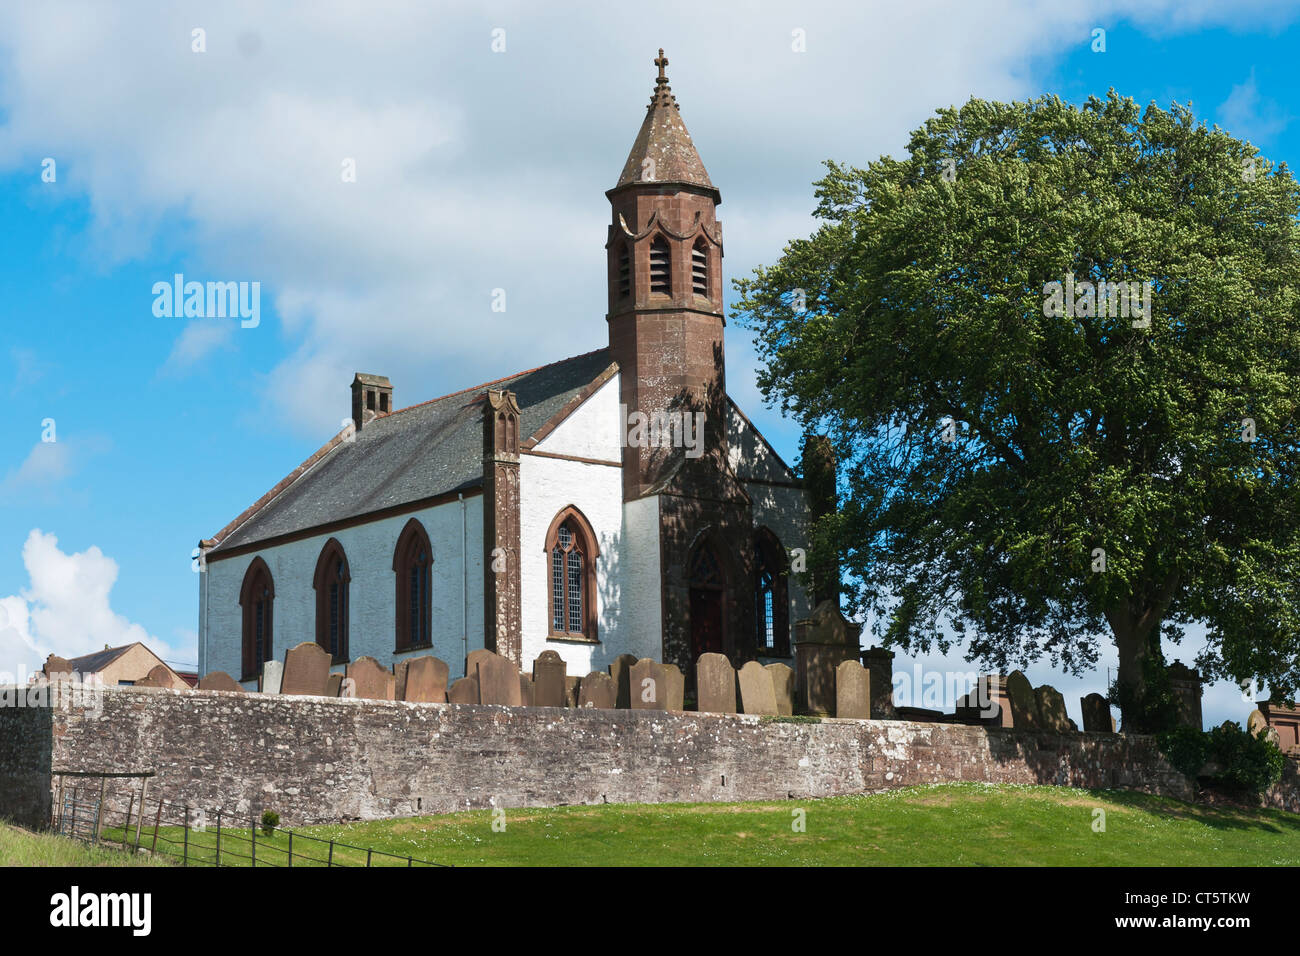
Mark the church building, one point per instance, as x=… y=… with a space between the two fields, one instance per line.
x=616 y=502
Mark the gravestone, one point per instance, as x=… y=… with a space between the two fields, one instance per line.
x=426 y=680
x=821 y=643
x=572 y=689
x=160 y=675
x=272 y=675
x=527 y=690
x=306 y=669
x=464 y=691
x=852 y=691
x=757 y=695
x=1096 y=715
x=675 y=682
x=598 y=690
x=715 y=684
x=549 y=680
x=648 y=685
x=334 y=686
x=370 y=680
x=879 y=662
x=620 y=669
x=1024 y=705
x=219 y=680
x=498 y=681
x=1283 y=720
x=782 y=687
x=1185 y=684
x=471 y=661
x=1051 y=710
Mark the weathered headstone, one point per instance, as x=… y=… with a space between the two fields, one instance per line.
x=426 y=680
x=572 y=688
x=852 y=691
x=1256 y=722
x=370 y=680
x=549 y=680
x=821 y=643
x=472 y=659
x=527 y=690
x=1024 y=705
x=334 y=685
x=57 y=668
x=756 y=693
x=1051 y=709
x=306 y=669
x=464 y=691
x=648 y=685
x=879 y=662
x=272 y=676
x=498 y=681
x=675 y=682
x=160 y=675
x=715 y=684
x=219 y=680
x=1096 y=715
x=598 y=690
x=620 y=669
x=782 y=687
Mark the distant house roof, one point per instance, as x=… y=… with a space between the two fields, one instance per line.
x=409 y=455
x=93 y=663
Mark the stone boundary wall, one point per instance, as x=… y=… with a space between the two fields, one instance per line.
x=317 y=759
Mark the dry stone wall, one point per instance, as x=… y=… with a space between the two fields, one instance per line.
x=315 y=759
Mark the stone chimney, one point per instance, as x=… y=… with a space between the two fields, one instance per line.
x=372 y=397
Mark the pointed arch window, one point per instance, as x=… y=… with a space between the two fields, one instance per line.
x=700 y=267
x=771 y=596
x=571 y=573
x=331 y=584
x=413 y=567
x=661 y=272
x=257 y=601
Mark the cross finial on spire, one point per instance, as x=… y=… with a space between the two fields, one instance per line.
x=661 y=61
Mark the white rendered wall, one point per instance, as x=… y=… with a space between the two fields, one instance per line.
x=371 y=595
x=547 y=486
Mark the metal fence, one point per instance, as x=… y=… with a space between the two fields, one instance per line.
x=87 y=808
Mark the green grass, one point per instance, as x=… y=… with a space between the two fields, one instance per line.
x=19 y=847
x=949 y=824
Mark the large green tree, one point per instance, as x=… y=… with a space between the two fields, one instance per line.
x=1023 y=467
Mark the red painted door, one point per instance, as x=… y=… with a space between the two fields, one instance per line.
x=706 y=621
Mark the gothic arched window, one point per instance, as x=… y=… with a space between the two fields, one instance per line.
x=661 y=270
x=331 y=584
x=700 y=267
x=571 y=573
x=257 y=598
x=771 y=596
x=413 y=566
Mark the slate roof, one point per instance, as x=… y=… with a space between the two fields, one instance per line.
x=411 y=454
x=96 y=662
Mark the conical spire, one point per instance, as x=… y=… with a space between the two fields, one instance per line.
x=663 y=151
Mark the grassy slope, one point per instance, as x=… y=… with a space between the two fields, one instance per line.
x=20 y=847
x=952 y=824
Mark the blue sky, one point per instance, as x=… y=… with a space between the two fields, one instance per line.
x=476 y=170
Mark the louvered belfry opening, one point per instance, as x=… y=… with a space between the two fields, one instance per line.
x=624 y=272
x=660 y=269
x=700 y=268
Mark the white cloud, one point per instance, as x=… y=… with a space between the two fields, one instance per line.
x=1247 y=114
x=196 y=341
x=475 y=170
x=48 y=466
x=66 y=609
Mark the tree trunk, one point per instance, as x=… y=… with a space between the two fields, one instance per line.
x=1137 y=638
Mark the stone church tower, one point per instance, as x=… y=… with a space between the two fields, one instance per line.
x=666 y=333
